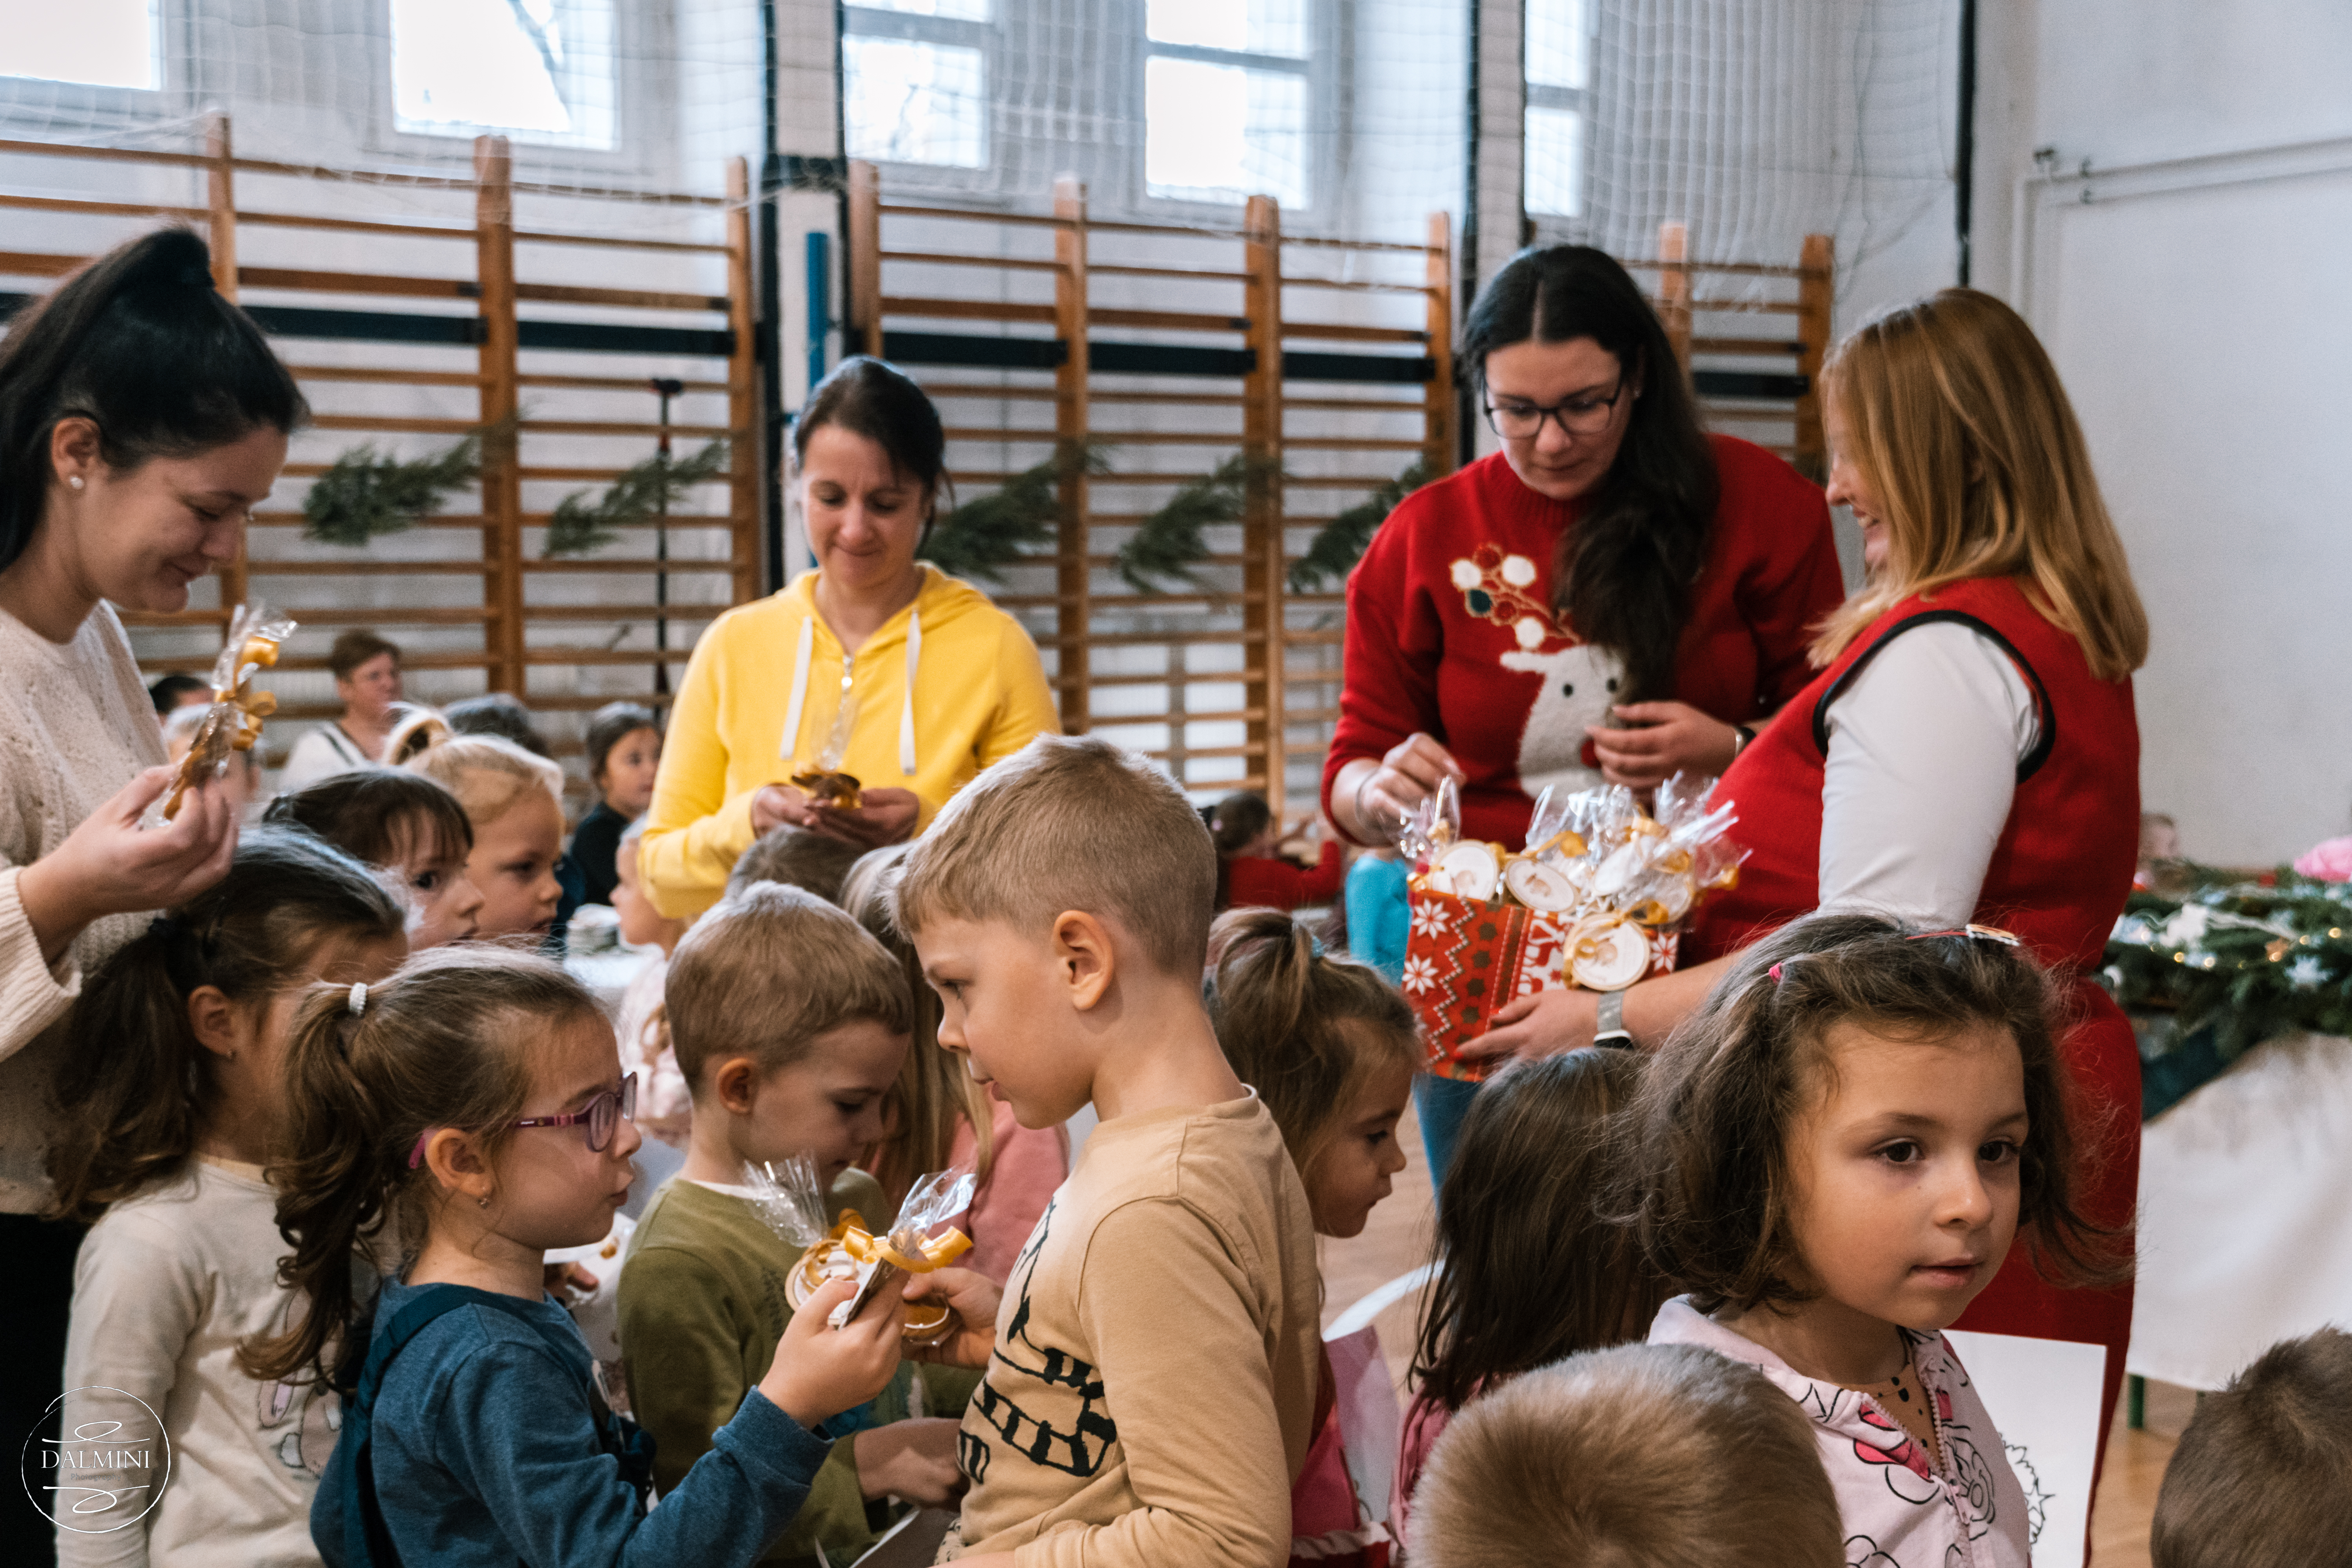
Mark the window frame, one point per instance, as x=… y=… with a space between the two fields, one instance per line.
x=1318 y=68
x=642 y=132
x=951 y=32
x=92 y=109
x=1576 y=101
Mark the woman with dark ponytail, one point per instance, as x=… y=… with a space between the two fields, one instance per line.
x=142 y=419
x=171 y=1109
x=1613 y=597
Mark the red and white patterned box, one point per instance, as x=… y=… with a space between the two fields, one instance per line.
x=1463 y=960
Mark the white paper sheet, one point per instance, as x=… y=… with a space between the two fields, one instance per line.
x=2044 y=1395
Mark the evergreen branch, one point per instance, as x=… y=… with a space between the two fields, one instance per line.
x=366 y=494
x=645 y=490
x=1340 y=543
x=1170 y=542
x=991 y=532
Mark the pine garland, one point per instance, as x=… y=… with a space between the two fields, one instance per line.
x=991 y=532
x=2251 y=962
x=365 y=495
x=1340 y=543
x=643 y=491
x=1169 y=543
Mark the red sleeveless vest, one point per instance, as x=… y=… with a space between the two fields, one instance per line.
x=2063 y=863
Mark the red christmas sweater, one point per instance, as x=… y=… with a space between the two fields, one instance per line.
x=1450 y=630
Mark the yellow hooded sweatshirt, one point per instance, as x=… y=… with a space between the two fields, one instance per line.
x=947 y=686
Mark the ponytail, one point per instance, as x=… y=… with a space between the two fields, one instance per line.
x=134 y=1091
x=1303 y=1028
x=139 y=342
x=444 y=1043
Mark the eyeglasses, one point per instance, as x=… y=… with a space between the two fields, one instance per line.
x=602 y=1116
x=1577 y=417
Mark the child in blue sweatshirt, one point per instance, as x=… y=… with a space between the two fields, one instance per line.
x=467 y=1117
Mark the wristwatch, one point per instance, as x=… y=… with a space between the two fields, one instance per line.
x=1613 y=1030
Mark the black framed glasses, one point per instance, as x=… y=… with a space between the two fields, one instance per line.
x=1517 y=421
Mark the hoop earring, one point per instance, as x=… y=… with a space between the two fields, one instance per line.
x=482 y=1202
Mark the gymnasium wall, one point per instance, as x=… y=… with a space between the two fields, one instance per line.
x=2178 y=246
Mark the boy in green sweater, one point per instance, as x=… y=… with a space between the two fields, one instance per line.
x=789 y=1022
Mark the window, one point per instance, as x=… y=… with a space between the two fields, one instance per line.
x=1557 y=32
x=1225 y=99
x=538 y=71
x=915 y=81
x=95 y=43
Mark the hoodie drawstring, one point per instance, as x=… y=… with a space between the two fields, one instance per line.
x=790 y=744
x=907 y=711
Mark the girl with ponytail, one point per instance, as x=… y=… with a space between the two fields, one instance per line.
x=1330 y=1045
x=460 y=1120
x=142 y=417
x=173 y=1101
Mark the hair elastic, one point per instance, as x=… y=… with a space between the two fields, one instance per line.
x=358 y=1002
x=1775 y=972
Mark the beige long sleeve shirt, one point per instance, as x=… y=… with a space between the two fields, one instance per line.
x=1153 y=1386
x=75 y=727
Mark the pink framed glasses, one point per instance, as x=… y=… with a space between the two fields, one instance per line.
x=602 y=1116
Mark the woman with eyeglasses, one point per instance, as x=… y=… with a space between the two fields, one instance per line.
x=1613 y=596
x=1967 y=754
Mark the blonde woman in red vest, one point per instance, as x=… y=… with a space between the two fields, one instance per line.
x=1969 y=752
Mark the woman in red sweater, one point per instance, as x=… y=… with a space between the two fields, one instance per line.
x=1969 y=751
x=1251 y=871
x=1612 y=597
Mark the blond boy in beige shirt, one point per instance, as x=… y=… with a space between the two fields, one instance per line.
x=1151 y=1371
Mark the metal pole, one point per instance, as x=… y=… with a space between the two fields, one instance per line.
x=1965 y=153
x=664 y=389
x=772 y=311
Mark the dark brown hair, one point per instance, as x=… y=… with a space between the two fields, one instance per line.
x=379 y=814
x=1708 y=1154
x=796 y=857
x=608 y=727
x=139 y=342
x=355 y=647
x=1622 y=576
x=769 y=969
x=133 y=1092
x=1303 y=1028
x=445 y=1042
x=2262 y=1478
x=1642 y=1455
x=1528 y=1268
x=933 y=1095
x=876 y=399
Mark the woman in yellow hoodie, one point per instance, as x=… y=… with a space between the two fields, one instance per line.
x=876 y=664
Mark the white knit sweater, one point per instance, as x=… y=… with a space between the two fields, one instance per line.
x=75 y=727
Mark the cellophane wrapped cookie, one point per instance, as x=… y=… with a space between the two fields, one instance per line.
x=793 y=1203
x=233 y=722
x=1596 y=898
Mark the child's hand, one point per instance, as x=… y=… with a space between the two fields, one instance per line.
x=821 y=1370
x=915 y=1461
x=973 y=1297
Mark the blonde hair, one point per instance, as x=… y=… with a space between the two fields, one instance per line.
x=1956 y=420
x=1640 y=1456
x=415 y=728
x=1070 y=822
x=933 y=1095
x=486 y=774
x=444 y=1042
x=769 y=969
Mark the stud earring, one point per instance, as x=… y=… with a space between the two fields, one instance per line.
x=75 y=482
x=482 y=1202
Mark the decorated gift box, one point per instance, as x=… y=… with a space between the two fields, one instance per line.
x=1597 y=900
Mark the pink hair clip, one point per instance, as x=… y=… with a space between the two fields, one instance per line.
x=1775 y=972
